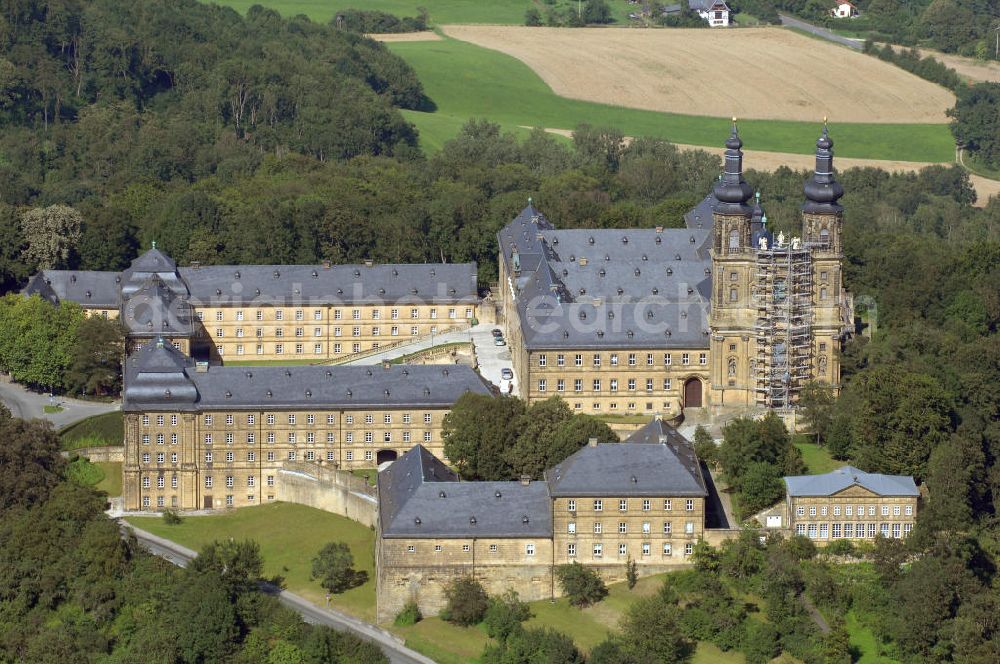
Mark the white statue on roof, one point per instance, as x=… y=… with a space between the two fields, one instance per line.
x=781 y=238
x=796 y=243
x=762 y=242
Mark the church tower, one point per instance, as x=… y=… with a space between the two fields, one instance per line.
x=732 y=316
x=822 y=224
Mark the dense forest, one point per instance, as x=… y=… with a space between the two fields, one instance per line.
x=75 y=590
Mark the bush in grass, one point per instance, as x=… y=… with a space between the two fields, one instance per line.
x=334 y=568
x=631 y=573
x=410 y=615
x=840 y=547
x=581 y=584
x=172 y=518
x=505 y=614
x=467 y=602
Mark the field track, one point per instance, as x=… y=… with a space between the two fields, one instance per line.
x=761 y=73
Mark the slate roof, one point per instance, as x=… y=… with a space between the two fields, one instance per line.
x=88 y=287
x=306 y=285
x=420 y=497
x=658 y=431
x=609 y=288
x=848 y=476
x=155 y=309
x=629 y=469
x=155 y=369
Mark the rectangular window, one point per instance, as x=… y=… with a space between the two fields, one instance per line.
x=622 y=550
x=570 y=550
x=598 y=550
x=622 y=527
x=622 y=505
x=529 y=549
x=578 y=360
x=598 y=505
x=668 y=505
x=571 y=505
x=689 y=505
x=667 y=549
x=667 y=528
x=685 y=358
x=541 y=360
x=598 y=527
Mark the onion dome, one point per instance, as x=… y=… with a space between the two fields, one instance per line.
x=822 y=190
x=731 y=191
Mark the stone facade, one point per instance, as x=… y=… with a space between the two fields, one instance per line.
x=654 y=321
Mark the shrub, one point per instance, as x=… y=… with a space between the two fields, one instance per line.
x=505 y=614
x=631 y=573
x=334 y=567
x=467 y=602
x=581 y=584
x=840 y=547
x=172 y=518
x=410 y=615
x=801 y=548
x=532 y=17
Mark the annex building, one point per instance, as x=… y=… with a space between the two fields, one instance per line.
x=271 y=312
x=719 y=313
x=846 y=503
x=201 y=437
x=642 y=500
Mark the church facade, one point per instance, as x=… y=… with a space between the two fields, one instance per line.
x=652 y=321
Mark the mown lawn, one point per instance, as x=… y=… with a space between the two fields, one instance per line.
x=505 y=12
x=111 y=483
x=289 y=537
x=817 y=458
x=466 y=81
x=96 y=431
x=863 y=641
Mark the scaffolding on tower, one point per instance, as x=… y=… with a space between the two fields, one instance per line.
x=782 y=294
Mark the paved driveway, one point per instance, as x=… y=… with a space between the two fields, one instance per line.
x=491 y=358
x=26 y=404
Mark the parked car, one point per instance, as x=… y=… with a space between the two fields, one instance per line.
x=506 y=374
x=498 y=341
x=497 y=332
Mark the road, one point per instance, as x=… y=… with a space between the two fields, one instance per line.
x=26 y=404
x=822 y=33
x=389 y=644
x=491 y=358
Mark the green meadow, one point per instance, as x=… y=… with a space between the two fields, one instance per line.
x=466 y=81
x=505 y=12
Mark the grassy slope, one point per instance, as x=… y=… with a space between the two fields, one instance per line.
x=587 y=627
x=99 y=430
x=111 y=483
x=289 y=537
x=467 y=81
x=818 y=459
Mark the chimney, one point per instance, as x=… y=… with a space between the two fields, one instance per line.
x=583 y=262
x=592 y=442
x=369 y=263
x=201 y=367
x=195 y=265
x=663 y=439
x=525 y=480
x=386 y=364
x=326 y=264
x=659 y=229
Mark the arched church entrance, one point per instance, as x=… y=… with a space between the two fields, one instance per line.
x=692 y=393
x=385 y=455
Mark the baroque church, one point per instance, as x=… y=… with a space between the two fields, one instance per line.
x=722 y=312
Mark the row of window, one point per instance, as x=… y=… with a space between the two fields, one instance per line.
x=161 y=500
x=631 y=405
x=376 y=331
x=598 y=549
x=614 y=359
x=230 y=457
x=299 y=349
x=851 y=510
x=310 y=437
x=597 y=383
x=623 y=528
x=338 y=314
x=853 y=530
x=647 y=505
x=292 y=418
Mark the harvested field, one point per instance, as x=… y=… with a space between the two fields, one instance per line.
x=762 y=73
x=426 y=35
x=976 y=71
